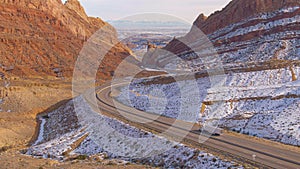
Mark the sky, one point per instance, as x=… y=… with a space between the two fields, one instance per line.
x=184 y=9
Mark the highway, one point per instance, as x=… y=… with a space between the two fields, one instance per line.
x=262 y=154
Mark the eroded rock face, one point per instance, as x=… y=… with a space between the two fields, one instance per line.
x=75 y=6
x=244 y=31
x=238 y=10
x=44 y=37
x=200 y=20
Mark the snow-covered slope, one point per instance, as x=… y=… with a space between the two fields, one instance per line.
x=68 y=131
x=262 y=103
x=263 y=37
x=258 y=51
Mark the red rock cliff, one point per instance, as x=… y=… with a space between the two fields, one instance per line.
x=238 y=10
x=44 y=37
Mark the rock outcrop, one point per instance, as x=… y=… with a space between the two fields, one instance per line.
x=44 y=37
x=200 y=20
x=76 y=7
x=151 y=46
x=238 y=10
x=244 y=31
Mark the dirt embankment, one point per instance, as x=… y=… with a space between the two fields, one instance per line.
x=23 y=100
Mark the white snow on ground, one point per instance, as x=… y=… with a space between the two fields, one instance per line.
x=178 y=100
x=272 y=119
x=116 y=139
x=41 y=131
x=263 y=37
x=184 y=157
x=229 y=29
x=1 y=102
x=262 y=26
x=261 y=103
x=262 y=48
x=56 y=147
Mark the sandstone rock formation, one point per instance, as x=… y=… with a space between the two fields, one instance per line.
x=244 y=31
x=200 y=20
x=44 y=37
x=238 y=10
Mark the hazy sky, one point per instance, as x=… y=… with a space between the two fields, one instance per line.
x=185 y=9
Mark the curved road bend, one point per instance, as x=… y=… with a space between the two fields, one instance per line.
x=266 y=155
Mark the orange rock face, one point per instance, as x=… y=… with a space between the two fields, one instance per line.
x=236 y=11
x=44 y=37
x=245 y=31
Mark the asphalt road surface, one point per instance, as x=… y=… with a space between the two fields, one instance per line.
x=254 y=151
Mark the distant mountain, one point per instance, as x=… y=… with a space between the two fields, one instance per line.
x=44 y=37
x=128 y=24
x=244 y=31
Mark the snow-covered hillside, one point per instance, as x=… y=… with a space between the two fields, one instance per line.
x=261 y=103
x=82 y=131
x=178 y=100
x=260 y=56
x=264 y=37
